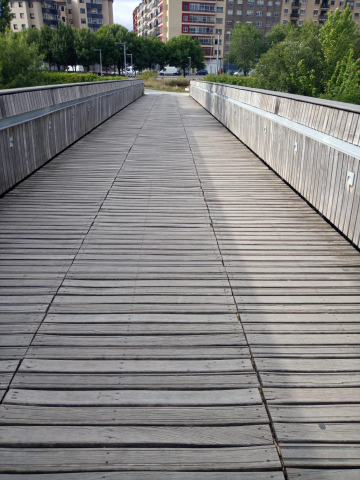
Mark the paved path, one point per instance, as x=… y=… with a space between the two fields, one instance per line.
x=171 y=308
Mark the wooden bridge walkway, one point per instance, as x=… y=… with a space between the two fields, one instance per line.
x=170 y=310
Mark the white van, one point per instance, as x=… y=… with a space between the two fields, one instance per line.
x=169 y=71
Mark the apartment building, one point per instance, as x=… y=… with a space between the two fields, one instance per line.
x=201 y=19
x=263 y=14
x=78 y=13
x=135 y=19
x=299 y=11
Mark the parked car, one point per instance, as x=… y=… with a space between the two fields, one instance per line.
x=202 y=72
x=239 y=73
x=169 y=71
x=131 y=72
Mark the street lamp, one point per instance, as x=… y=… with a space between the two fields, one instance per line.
x=123 y=43
x=99 y=50
x=130 y=55
x=189 y=65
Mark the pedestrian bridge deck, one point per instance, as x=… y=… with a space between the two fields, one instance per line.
x=170 y=308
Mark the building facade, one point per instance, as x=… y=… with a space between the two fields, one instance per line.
x=78 y=13
x=201 y=19
x=300 y=11
x=263 y=14
x=135 y=20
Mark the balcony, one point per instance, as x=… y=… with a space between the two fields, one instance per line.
x=294 y=14
x=325 y=5
x=94 y=15
x=323 y=16
x=296 y=3
x=50 y=22
x=51 y=11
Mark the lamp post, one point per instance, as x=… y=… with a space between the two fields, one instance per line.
x=123 y=43
x=217 y=54
x=189 y=65
x=130 y=55
x=211 y=50
x=99 y=50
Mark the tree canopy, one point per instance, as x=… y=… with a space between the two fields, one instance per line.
x=5 y=15
x=180 y=48
x=245 y=46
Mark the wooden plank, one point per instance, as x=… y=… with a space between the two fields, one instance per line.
x=38 y=460
x=134 y=397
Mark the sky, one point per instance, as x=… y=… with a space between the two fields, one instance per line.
x=123 y=12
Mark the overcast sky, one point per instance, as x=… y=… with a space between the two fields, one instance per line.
x=123 y=12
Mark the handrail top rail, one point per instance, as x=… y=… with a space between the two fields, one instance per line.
x=301 y=98
x=11 y=91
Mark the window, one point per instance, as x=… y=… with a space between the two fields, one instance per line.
x=238 y=12
x=22 y=15
x=31 y=5
x=285 y=22
x=229 y=22
x=356 y=14
x=12 y=4
x=286 y=10
x=303 y=2
x=357 y=4
x=258 y=24
x=270 y=3
x=62 y=9
x=82 y=10
x=219 y=20
x=230 y=12
x=185 y=7
x=276 y=14
x=316 y=12
x=71 y=22
x=260 y=3
x=220 y=9
x=70 y=11
x=32 y=16
x=250 y=13
x=15 y=27
x=239 y=2
x=259 y=14
x=63 y=19
x=69 y=2
x=268 y=14
x=20 y=4
x=231 y=2
x=341 y=4
x=218 y=31
x=250 y=3
x=185 y=18
x=302 y=12
x=301 y=22
x=267 y=25
x=33 y=26
x=185 y=29
x=13 y=15
x=277 y=4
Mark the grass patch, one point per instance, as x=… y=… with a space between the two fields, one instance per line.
x=167 y=84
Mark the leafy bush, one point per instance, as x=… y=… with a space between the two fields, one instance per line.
x=176 y=81
x=148 y=75
x=231 y=80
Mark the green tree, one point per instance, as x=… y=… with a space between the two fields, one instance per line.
x=19 y=61
x=338 y=37
x=156 y=52
x=344 y=85
x=63 y=45
x=84 y=43
x=5 y=15
x=245 y=46
x=45 y=43
x=109 y=50
x=32 y=35
x=293 y=65
x=136 y=46
x=278 y=33
x=180 y=48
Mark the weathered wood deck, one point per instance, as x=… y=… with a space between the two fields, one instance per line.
x=170 y=309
